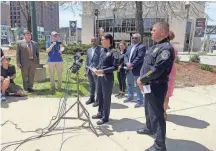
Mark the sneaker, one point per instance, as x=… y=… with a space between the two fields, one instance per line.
x=137 y=105
x=3 y=97
x=127 y=100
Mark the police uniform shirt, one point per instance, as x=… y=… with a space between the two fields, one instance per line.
x=109 y=60
x=157 y=62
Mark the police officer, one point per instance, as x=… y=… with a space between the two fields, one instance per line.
x=109 y=62
x=153 y=81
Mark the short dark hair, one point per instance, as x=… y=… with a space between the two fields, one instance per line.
x=27 y=32
x=109 y=37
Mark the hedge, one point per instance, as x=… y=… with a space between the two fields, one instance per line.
x=71 y=49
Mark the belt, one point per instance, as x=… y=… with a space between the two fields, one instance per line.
x=158 y=82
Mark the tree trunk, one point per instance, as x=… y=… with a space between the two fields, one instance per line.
x=29 y=28
x=139 y=19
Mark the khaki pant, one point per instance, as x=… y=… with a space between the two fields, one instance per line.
x=59 y=68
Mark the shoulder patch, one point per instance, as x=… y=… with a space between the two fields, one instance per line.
x=165 y=54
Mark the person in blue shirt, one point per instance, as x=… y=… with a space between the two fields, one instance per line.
x=55 y=61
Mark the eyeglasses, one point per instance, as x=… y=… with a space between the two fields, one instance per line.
x=134 y=37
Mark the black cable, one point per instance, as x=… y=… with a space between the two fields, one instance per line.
x=43 y=133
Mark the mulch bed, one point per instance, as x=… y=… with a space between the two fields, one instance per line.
x=190 y=74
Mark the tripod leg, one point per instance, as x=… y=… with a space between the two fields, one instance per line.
x=89 y=120
x=54 y=124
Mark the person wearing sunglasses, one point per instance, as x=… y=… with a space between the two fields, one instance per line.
x=134 y=59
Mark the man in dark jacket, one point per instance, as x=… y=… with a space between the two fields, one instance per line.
x=134 y=59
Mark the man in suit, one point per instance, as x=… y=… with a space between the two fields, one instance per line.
x=27 y=55
x=134 y=59
x=92 y=60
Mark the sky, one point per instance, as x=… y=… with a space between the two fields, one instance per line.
x=69 y=14
x=72 y=14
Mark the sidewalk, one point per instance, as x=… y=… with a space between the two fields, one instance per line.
x=191 y=124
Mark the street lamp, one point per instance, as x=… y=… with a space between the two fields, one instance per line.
x=187 y=8
x=114 y=12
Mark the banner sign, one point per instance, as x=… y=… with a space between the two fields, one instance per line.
x=200 y=27
x=73 y=26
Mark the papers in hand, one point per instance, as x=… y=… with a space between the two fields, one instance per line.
x=94 y=71
x=62 y=49
x=147 y=89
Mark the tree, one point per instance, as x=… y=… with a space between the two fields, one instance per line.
x=161 y=11
x=139 y=19
x=26 y=12
x=25 y=9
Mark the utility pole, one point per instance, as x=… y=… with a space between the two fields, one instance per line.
x=33 y=21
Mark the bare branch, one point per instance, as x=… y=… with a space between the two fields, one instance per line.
x=23 y=8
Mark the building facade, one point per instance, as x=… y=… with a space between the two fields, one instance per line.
x=47 y=16
x=122 y=22
x=5 y=22
x=67 y=39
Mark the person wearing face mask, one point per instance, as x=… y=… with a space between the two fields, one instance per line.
x=55 y=61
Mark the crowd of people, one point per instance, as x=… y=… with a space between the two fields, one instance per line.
x=152 y=71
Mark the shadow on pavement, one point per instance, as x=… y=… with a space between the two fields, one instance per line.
x=184 y=145
x=187 y=121
x=118 y=106
x=11 y=99
x=121 y=125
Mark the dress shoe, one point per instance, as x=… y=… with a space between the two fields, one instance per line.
x=90 y=101
x=97 y=116
x=144 y=131
x=96 y=103
x=153 y=149
x=30 y=90
x=101 y=122
x=117 y=95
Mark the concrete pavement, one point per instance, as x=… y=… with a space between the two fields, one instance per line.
x=210 y=60
x=191 y=124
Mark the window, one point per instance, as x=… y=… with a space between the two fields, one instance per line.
x=124 y=25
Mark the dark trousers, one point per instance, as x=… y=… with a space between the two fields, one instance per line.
x=93 y=83
x=28 y=74
x=104 y=92
x=154 y=112
x=122 y=80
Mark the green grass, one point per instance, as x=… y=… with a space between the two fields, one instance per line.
x=43 y=88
